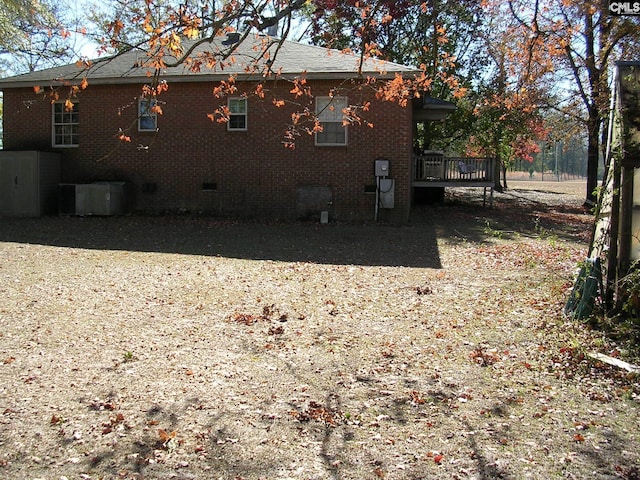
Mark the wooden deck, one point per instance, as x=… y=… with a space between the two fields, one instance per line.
x=440 y=171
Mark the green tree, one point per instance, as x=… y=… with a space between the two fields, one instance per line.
x=13 y=15
x=35 y=34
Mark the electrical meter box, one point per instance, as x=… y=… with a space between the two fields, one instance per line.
x=387 y=193
x=381 y=168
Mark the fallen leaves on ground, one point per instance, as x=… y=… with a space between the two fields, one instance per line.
x=201 y=351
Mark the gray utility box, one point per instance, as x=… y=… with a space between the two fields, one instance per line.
x=28 y=183
x=387 y=192
x=99 y=198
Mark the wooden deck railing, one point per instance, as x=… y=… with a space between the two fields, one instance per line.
x=437 y=168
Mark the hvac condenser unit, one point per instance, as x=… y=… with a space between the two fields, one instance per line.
x=99 y=198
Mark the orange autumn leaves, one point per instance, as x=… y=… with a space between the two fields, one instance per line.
x=54 y=94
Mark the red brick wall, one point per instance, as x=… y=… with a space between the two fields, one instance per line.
x=253 y=172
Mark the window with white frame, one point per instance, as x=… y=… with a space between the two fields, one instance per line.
x=147 y=117
x=330 y=114
x=66 y=122
x=237 y=114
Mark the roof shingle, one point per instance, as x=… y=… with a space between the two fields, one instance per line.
x=288 y=58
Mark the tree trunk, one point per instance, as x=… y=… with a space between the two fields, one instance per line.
x=504 y=176
x=497 y=186
x=593 y=148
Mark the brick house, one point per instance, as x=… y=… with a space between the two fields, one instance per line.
x=181 y=160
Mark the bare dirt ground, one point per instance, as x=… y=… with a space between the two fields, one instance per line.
x=201 y=348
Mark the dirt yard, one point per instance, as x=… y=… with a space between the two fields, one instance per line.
x=202 y=348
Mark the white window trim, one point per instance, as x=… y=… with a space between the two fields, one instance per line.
x=245 y=114
x=339 y=103
x=149 y=114
x=54 y=125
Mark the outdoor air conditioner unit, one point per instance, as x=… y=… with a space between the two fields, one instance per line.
x=99 y=198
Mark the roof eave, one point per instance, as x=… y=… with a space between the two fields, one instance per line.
x=213 y=77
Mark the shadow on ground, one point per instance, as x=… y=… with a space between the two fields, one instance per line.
x=460 y=219
x=365 y=244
